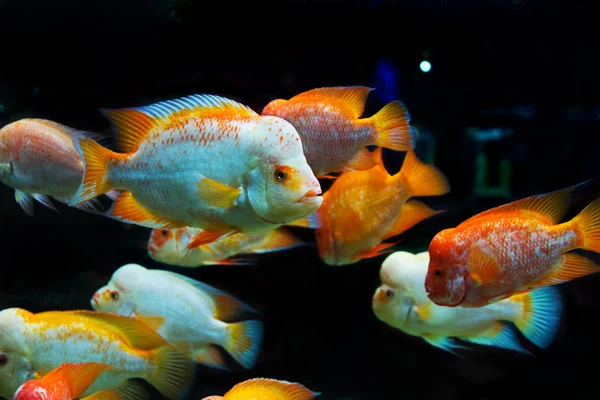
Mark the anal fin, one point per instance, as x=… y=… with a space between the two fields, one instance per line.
x=376 y=251
x=210 y=356
x=499 y=335
x=127 y=209
x=208 y=236
x=411 y=214
x=362 y=160
x=571 y=266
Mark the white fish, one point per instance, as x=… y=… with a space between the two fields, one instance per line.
x=181 y=309
x=401 y=302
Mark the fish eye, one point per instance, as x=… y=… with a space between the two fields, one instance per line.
x=389 y=293
x=164 y=232
x=280 y=175
x=3 y=360
x=114 y=295
x=438 y=272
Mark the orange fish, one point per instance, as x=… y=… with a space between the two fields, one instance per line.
x=266 y=389
x=334 y=137
x=38 y=159
x=71 y=380
x=512 y=249
x=363 y=208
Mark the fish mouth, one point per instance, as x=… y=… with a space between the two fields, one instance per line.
x=453 y=301
x=310 y=196
x=151 y=249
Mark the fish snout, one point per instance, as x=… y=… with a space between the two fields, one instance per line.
x=311 y=195
x=94 y=301
x=382 y=295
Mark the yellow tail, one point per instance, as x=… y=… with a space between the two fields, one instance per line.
x=174 y=374
x=421 y=179
x=244 y=342
x=96 y=162
x=392 y=128
x=588 y=225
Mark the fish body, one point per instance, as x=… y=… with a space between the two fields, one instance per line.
x=266 y=389
x=402 y=302
x=196 y=315
x=169 y=246
x=38 y=159
x=512 y=249
x=205 y=162
x=35 y=344
x=363 y=208
x=334 y=137
x=69 y=381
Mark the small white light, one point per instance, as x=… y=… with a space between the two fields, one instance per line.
x=425 y=66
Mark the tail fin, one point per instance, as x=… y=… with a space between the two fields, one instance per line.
x=174 y=373
x=244 y=342
x=421 y=179
x=588 y=222
x=95 y=180
x=392 y=128
x=540 y=318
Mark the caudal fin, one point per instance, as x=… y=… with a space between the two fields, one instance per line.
x=244 y=342
x=174 y=373
x=392 y=128
x=95 y=179
x=421 y=179
x=540 y=317
x=588 y=224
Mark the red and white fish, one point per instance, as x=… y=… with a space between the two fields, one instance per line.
x=402 y=303
x=334 y=137
x=183 y=310
x=363 y=208
x=202 y=161
x=267 y=389
x=511 y=249
x=169 y=246
x=71 y=380
x=32 y=345
x=38 y=159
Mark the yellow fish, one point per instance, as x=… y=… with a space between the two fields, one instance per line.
x=266 y=389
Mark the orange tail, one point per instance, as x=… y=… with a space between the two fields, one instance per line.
x=392 y=128
x=588 y=224
x=421 y=179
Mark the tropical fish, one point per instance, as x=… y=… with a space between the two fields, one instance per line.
x=511 y=249
x=32 y=345
x=183 y=310
x=364 y=208
x=266 y=389
x=334 y=137
x=402 y=303
x=201 y=161
x=71 y=380
x=169 y=246
x=38 y=159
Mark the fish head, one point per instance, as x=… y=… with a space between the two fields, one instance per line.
x=281 y=185
x=116 y=296
x=402 y=275
x=445 y=282
x=34 y=389
x=274 y=108
x=15 y=367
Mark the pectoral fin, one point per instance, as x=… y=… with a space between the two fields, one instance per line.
x=483 y=266
x=217 y=194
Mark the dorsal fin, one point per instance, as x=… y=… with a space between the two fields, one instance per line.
x=549 y=208
x=134 y=124
x=354 y=97
x=264 y=388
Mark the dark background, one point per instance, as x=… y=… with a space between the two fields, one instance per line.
x=529 y=66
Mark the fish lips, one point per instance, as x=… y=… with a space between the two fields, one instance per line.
x=448 y=293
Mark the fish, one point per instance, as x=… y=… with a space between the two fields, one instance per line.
x=334 y=137
x=70 y=380
x=201 y=161
x=169 y=246
x=511 y=249
x=267 y=389
x=363 y=208
x=32 y=345
x=38 y=159
x=401 y=302
x=183 y=310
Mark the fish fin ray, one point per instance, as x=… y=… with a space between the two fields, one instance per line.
x=130 y=390
x=153 y=322
x=588 y=223
x=571 y=266
x=25 y=200
x=80 y=375
x=216 y=194
x=96 y=160
x=126 y=209
x=380 y=249
x=244 y=342
x=411 y=214
x=210 y=356
x=45 y=200
x=443 y=342
x=499 y=335
x=540 y=319
x=174 y=374
x=277 y=240
x=282 y=389
x=131 y=125
x=484 y=267
x=362 y=160
x=420 y=179
x=209 y=236
x=313 y=221
x=392 y=128
x=353 y=97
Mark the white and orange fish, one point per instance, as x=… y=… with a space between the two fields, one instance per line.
x=71 y=380
x=267 y=389
x=38 y=159
x=201 y=161
x=364 y=208
x=183 y=310
x=510 y=249
x=169 y=246
x=334 y=137
x=32 y=345
x=402 y=303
